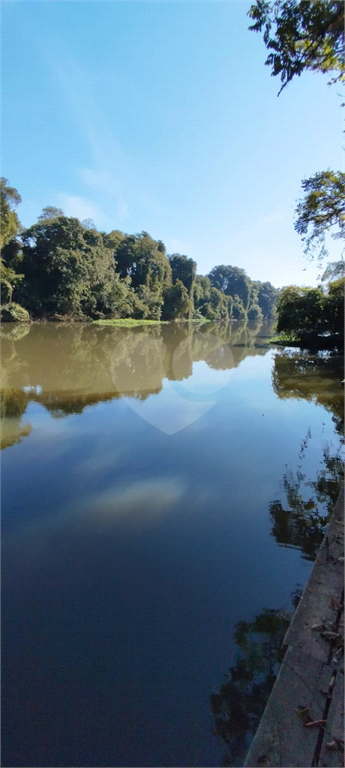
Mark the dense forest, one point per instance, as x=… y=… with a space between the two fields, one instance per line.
x=61 y=268
x=64 y=269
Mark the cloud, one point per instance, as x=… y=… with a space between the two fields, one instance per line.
x=140 y=501
x=137 y=504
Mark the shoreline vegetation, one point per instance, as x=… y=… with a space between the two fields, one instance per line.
x=64 y=270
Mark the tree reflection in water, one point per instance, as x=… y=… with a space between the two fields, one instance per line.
x=300 y=520
x=297 y=522
x=241 y=700
x=67 y=368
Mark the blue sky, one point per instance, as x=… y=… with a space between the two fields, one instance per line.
x=161 y=116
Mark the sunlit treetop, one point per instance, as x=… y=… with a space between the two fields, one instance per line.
x=322 y=210
x=301 y=35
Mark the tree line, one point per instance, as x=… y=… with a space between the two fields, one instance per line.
x=63 y=268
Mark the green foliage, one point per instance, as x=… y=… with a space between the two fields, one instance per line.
x=13 y=402
x=9 y=280
x=143 y=260
x=248 y=299
x=255 y=313
x=301 y=36
x=334 y=308
x=216 y=308
x=232 y=281
x=69 y=271
x=209 y=302
x=308 y=313
x=300 y=310
x=10 y=226
x=308 y=35
x=177 y=304
x=321 y=209
x=61 y=268
x=183 y=269
x=14 y=313
x=50 y=213
x=267 y=299
x=334 y=270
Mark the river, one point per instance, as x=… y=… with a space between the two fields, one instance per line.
x=163 y=487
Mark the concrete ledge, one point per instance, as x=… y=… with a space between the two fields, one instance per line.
x=310 y=683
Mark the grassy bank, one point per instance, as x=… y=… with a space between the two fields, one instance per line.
x=129 y=322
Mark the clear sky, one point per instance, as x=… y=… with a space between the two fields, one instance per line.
x=161 y=116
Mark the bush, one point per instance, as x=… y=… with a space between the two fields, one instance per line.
x=14 y=313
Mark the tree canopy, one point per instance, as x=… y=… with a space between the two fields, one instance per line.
x=311 y=316
x=301 y=36
x=321 y=210
x=10 y=226
x=63 y=268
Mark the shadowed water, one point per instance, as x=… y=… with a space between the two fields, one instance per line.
x=142 y=475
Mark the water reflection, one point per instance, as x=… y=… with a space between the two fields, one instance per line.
x=311 y=377
x=238 y=705
x=300 y=520
x=67 y=368
x=127 y=558
x=297 y=522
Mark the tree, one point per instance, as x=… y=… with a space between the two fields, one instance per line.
x=50 y=213
x=10 y=225
x=143 y=261
x=305 y=36
x=184 y=269
x=177 y=304
x=11 y=311
x=308 y=35
x=321 y=209
x=68 y=270
x=306 y=314
x=300 y=311
x=233 y=281
x=267 y=299
x=216 y=308
x=333 y=270
x=334 y=309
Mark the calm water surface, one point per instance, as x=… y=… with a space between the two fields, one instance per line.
x=141 y=476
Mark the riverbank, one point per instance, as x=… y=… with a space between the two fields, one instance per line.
x=303 y=723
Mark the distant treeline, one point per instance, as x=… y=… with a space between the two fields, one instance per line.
x=61 y=268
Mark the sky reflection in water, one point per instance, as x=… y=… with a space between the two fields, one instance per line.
x=135 y=538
